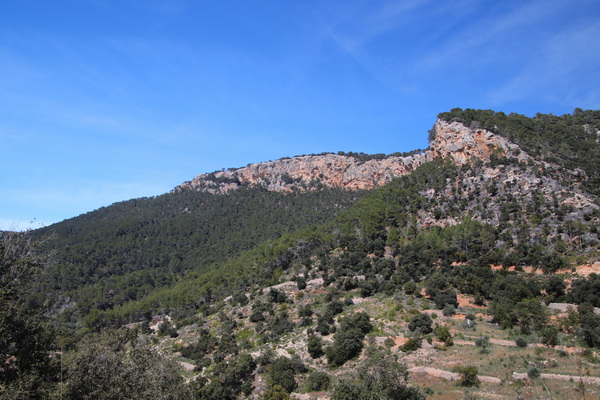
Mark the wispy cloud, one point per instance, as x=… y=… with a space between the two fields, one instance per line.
x=552 y=74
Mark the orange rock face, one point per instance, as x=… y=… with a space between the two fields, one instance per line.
x=452 y=140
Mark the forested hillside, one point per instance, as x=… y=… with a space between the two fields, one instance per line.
x=124 y=252
x=459 y=269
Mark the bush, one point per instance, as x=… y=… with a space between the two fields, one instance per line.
x=275 y=393
x=443 y=334
x=441 y=299
x=378 y=379
x=549 y=336
x=166 y=329
x=521 y=342
x=449 y=310
x=411 y=345
x=315 y=346
x=421 y=322
x=317 y=381
x=533 y=373
x=347 y=345
x=484 y=343
x=410 y=287
x=468 y=375
x=301 y=282
x=282 y=372
x=277 y=296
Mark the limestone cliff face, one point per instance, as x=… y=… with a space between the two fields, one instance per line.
x=452 y=140
x=462 y=143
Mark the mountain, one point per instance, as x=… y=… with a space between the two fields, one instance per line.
x=454 y=140
x=269 y=263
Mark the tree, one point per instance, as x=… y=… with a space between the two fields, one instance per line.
x=421 y=322
x=443 y=334
x=379 y=379
x=108 y=366
x=315 y=346
x=27 y=367
x=301 y=282
x=410 y=287
x=590 y=325
x=348 y=341
x=283 y=370
x=347 y=345
x=275 y=393
x=549 y=335
x=317 y=381
x=484 y=343
x=468 y=375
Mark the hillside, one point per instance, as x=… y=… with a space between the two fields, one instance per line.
x=445 y=265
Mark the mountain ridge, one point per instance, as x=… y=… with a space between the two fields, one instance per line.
x=450 y=139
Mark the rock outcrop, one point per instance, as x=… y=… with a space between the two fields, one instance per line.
x=461 y=143
x=453 y=140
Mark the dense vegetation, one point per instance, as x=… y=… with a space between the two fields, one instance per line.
x=126 y=251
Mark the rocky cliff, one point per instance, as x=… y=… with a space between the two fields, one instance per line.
x=454 y=140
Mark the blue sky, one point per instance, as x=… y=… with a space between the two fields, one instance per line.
x=103 y=101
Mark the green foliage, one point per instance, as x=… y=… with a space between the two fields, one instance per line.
x=468 y=375
x=198 y=350
x=280 y=324
x=123 y=259
x=228 y=379
x=413 y=344
x=585 y=290
x=277 y=296
x=449 y=310
x=442 y=333
x=483 y=342
x=28 y=368
x=445 y=298
x=282 y=372
x=275 y=393
x=315 y=346
x=379 y=379
x=590 y=325
x=317 y=381
x=105 y=366
x=521 y=341
x=421 y=322
x=349 y=338
x=549 y=335
x=301 y=282
x=166 y=329
x=410 y=287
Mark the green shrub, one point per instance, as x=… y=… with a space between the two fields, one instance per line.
x=533 y=373
x=315 y=346
x=421 y=322
x=317 y=381
x=468 y=375
x=521 y=341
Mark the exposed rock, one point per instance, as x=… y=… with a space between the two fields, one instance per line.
x=453 y=140
x=298 y=172
x=461 y=143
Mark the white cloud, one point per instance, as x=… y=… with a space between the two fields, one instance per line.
x=564 y=59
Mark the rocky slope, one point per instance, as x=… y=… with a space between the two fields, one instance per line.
x=454 y=140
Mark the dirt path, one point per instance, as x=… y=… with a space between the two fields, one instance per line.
x=585 y=379
x=451 y=376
